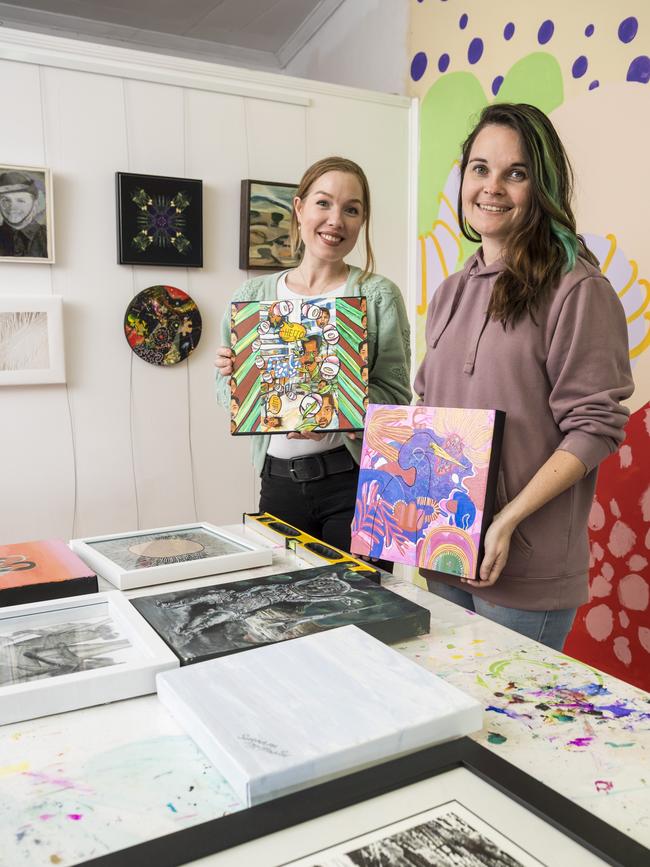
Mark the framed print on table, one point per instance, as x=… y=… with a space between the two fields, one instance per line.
x=453 y=804
x=146 y=557
x=159 y=220
x=31 y=340
x=26 y=223
x=265 y=218
x=65 y=654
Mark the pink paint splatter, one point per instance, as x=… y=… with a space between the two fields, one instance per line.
x=45 y=816
x=634 y=593
x=621 y=539
x=603 y=785
x=75 y=816
x=580 y=742
x=59 y=782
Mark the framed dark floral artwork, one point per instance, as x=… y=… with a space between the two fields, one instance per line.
x=159 y=220
x=265 y=219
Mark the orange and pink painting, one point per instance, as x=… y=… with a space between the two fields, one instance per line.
x=47 y=569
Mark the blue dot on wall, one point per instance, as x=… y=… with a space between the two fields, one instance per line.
x=546 y=29
x=496 y=84
x=462 y=23
x=594 y=84
x=579 y=66
x=627 y=29
x=475 y=50
x=589 y=30
x=639 y=70
x=419 y=65
x=509 y=30
x=443 y=62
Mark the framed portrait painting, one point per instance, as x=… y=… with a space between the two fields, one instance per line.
x=159 y=220
x=66 y=654
x=31 y=340
x=145 y=557
x=26 y=221
x=265 y=218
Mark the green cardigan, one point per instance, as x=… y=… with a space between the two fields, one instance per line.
x=389 y=348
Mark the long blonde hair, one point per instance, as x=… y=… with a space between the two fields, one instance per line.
x=311 y=175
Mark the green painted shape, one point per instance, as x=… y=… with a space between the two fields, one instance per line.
x=535 y=79
x=494 y=738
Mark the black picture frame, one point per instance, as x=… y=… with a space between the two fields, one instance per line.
x=219 y=835
x=154 y=227
x=264 y=231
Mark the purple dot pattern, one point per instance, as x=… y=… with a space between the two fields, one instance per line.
x=594 y=84
x=508 y=31
x=462 y=23
x=419 y=65
x=496 y=84
x=639 y=70
x=545 y=32
x=589 y=30
x=627 y=29
x=475 y=50
x=443 y=62
x=579 y=66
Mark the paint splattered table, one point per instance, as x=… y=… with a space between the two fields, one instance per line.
x=82 y=784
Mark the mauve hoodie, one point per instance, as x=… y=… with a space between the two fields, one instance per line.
x=560 y=382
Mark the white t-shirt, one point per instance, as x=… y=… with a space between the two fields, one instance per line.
x=280 y=446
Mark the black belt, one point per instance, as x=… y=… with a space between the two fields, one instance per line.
x=310 y=468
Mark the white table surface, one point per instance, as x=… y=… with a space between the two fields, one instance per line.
x=89 y=782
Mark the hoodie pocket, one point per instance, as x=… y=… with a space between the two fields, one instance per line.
x=520 y=548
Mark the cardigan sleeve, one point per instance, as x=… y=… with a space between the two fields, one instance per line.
x=589 y=369
x=389 y=337
x=246 y=292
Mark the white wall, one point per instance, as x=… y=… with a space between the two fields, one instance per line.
x=124 y=444
x=363 y=44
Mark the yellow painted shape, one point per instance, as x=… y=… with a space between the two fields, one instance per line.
x=18 y=768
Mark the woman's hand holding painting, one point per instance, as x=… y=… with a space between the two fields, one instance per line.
x=497 y=546
x=223 y=360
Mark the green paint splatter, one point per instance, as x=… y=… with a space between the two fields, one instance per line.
x=451 y=646
x=494 y=738
x=481 y=682
x=617 y=746
x=563 y=717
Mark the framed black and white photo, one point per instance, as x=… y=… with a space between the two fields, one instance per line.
x=145 y=557
x=265 y=218
x=453 y=804
x=64 y=654
x=31 y=340
x=159 y=220
x=26 y=222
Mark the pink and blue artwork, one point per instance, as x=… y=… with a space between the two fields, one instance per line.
x=427 y=482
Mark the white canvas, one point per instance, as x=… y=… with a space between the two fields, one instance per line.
x=31 y=340
x=279 y=718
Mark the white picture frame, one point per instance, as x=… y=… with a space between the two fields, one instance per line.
x=128 y=570
x=31 y=340
x=40 y=180
x=115 y=652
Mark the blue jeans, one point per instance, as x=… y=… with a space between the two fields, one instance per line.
x=548 y=627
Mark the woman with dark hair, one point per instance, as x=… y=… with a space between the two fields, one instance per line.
x=310 y=478
x=532 y=327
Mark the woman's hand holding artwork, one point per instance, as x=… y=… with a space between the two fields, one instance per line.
x=223 y=360
x=497 y=546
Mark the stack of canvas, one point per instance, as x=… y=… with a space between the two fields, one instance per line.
x=283 y=717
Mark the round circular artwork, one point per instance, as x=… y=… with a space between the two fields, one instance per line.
x=162 y=325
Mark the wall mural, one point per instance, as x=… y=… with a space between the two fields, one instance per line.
x=588 y=69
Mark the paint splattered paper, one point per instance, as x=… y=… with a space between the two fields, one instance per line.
x=298 y=366
x=32 y=571
x=427 y=483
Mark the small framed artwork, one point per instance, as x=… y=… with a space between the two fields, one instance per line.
x=65 y=654
x=162 y=325
x=31 y=340
x=26 y=222
x=266 y=208
x=298 y=366
x=159 y=220
x=146 y=557
x=43 y=569
x=453 y=804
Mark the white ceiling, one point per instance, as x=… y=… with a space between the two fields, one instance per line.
x=258 y=33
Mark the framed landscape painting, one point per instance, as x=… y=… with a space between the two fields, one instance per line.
x=145 y=557
x=65 y=654
x=298 y=366
x=159 y=220
x=26 y=221
x=427 y=485
x=264 y=225
x=31 y=340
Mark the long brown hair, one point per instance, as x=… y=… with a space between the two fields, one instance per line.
x=546 y=244
x=311 y=175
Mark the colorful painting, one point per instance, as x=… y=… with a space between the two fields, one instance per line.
x=427 y=481
x=31 y=340
x=31 y=571
x=162 y=325
x=208 y=622
x=26 y=224
x=159 y=220
x=299 y=366
x=264 y=228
